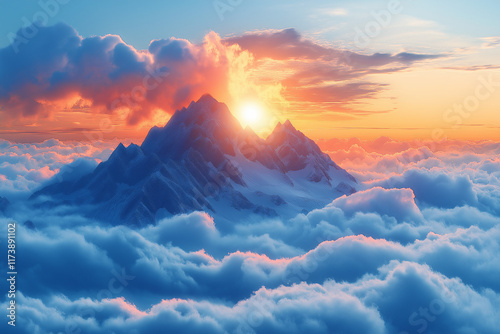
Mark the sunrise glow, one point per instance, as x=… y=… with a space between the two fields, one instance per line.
x=232 y=166
x=252 y=115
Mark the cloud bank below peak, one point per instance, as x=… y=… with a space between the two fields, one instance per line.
x=388 y=259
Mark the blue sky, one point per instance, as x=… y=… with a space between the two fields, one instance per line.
x=453 y=45
x=138 y=24
x=377 y=261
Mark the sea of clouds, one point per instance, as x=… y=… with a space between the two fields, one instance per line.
x=416 y=250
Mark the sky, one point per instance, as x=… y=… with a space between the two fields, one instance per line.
x=337 y=69
x=412 y=247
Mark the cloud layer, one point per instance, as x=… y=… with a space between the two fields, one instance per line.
x=24 y=167
x=392 y=258
x=325 y=308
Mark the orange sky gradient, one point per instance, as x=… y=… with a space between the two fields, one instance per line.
x=326 y=91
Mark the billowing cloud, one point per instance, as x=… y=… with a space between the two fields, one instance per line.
x=401 y=297
x=389 y=258
x=445 y=174
x=436 y=189
x=396 y=203
x=215 y=268
x=57 y=70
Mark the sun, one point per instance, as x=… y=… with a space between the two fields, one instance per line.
x=251 y=114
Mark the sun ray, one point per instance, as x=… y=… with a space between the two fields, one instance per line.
x=251 y=114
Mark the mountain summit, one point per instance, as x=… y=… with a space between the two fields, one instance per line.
x=202 y=159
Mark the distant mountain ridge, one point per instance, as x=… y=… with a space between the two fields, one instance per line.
x=202 y=159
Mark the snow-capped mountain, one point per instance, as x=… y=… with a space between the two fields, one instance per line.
x=204 y=160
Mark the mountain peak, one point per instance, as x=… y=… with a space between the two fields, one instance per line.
x=295 y=149
x=288 y=125
x=286 y=134
x=203 y=124
x=205 y=109
x=206 y=99
x=202 y=159
x=281 y=129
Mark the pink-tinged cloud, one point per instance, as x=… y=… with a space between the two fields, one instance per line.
x=397 y=203
x=289 y=44
x=24 y=167
x=445 y=174
x=60 y=70
x=324 y=78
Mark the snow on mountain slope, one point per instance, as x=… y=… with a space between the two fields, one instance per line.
x=303 y=158
x=204 y=160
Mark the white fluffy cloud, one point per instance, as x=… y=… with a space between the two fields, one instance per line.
x=416 y=251
x=24 y=167
x=402 y=297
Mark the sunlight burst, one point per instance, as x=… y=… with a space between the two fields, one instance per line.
x=251 y=114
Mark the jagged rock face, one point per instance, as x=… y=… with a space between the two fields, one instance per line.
x=204 y=160
x=297 y=152
x=292 y=146
x=206 y=126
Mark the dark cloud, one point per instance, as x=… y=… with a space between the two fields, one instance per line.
x=57 y=68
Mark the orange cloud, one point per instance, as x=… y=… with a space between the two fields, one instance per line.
x=60 y=73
